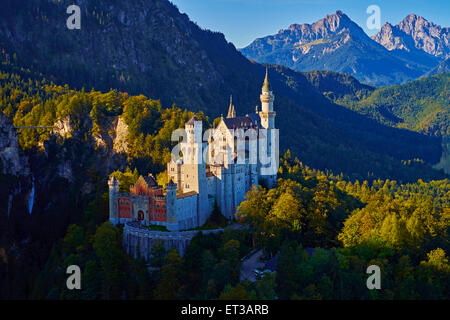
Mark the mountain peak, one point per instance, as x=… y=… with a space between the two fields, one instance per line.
x=414 y=17
x=329 y=24
x=415 y=32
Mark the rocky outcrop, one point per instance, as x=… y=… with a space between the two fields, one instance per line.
x=120 y=136
x=63 y=128
x=11 y=160
x=415 y=33
x=15 y=172
x=392 y=38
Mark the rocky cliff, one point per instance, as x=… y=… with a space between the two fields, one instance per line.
x=415 y=33
x=12 y=160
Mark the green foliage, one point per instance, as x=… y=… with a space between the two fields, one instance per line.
x=392 y=225
x=421 y=105
x=171 y=276
x=126 y=179
x=107 y=272
x=234 y=293
x=92 y=117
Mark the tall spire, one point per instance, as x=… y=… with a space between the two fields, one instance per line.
x=266 y=84
x=231 y=111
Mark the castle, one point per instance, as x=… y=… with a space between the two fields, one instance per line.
x=230 y=169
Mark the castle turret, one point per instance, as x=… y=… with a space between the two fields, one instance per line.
x=267 y=98
x=192 y=149
x=231 y=110
x=171 y=198
x=268 y=148
x=113 y=184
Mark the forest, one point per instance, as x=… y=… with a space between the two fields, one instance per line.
x=324 y=227
x=348 y=225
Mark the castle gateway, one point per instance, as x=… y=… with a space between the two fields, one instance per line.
x=230 y=170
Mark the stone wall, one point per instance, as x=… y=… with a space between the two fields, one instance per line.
x=140 y=239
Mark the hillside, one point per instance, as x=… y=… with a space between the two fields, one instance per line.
x=421 y=105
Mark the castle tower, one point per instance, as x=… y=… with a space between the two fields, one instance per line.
x=194 y=168
x=271 y=157
x=267 y=98
x=231 y=111
x=113 y=184
x=171 y=198
x=192 y=149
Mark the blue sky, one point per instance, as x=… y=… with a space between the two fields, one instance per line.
x=244 y=20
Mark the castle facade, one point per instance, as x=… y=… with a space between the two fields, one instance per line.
x=238 y=155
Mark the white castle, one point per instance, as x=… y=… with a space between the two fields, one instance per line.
x=196 y=186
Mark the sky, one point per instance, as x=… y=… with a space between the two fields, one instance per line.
x=242 y=21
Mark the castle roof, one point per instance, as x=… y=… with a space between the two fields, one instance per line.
x=150 y=181
x=238 y=122
x=266 y=84
x=171 y=183
x=255 y=118
x=192 y=121
x=231 y=111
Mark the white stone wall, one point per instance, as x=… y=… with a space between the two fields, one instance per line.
x=186 y=209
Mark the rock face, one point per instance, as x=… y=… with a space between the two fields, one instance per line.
x=338 y=44
x=12 y=162
x=15 y=172
x=415 y=33
x=392 y=38
x=120 y=136
x=63 y=127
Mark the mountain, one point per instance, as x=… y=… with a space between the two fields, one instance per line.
x=444 y=66
x=338 y=44
x=415 y=33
